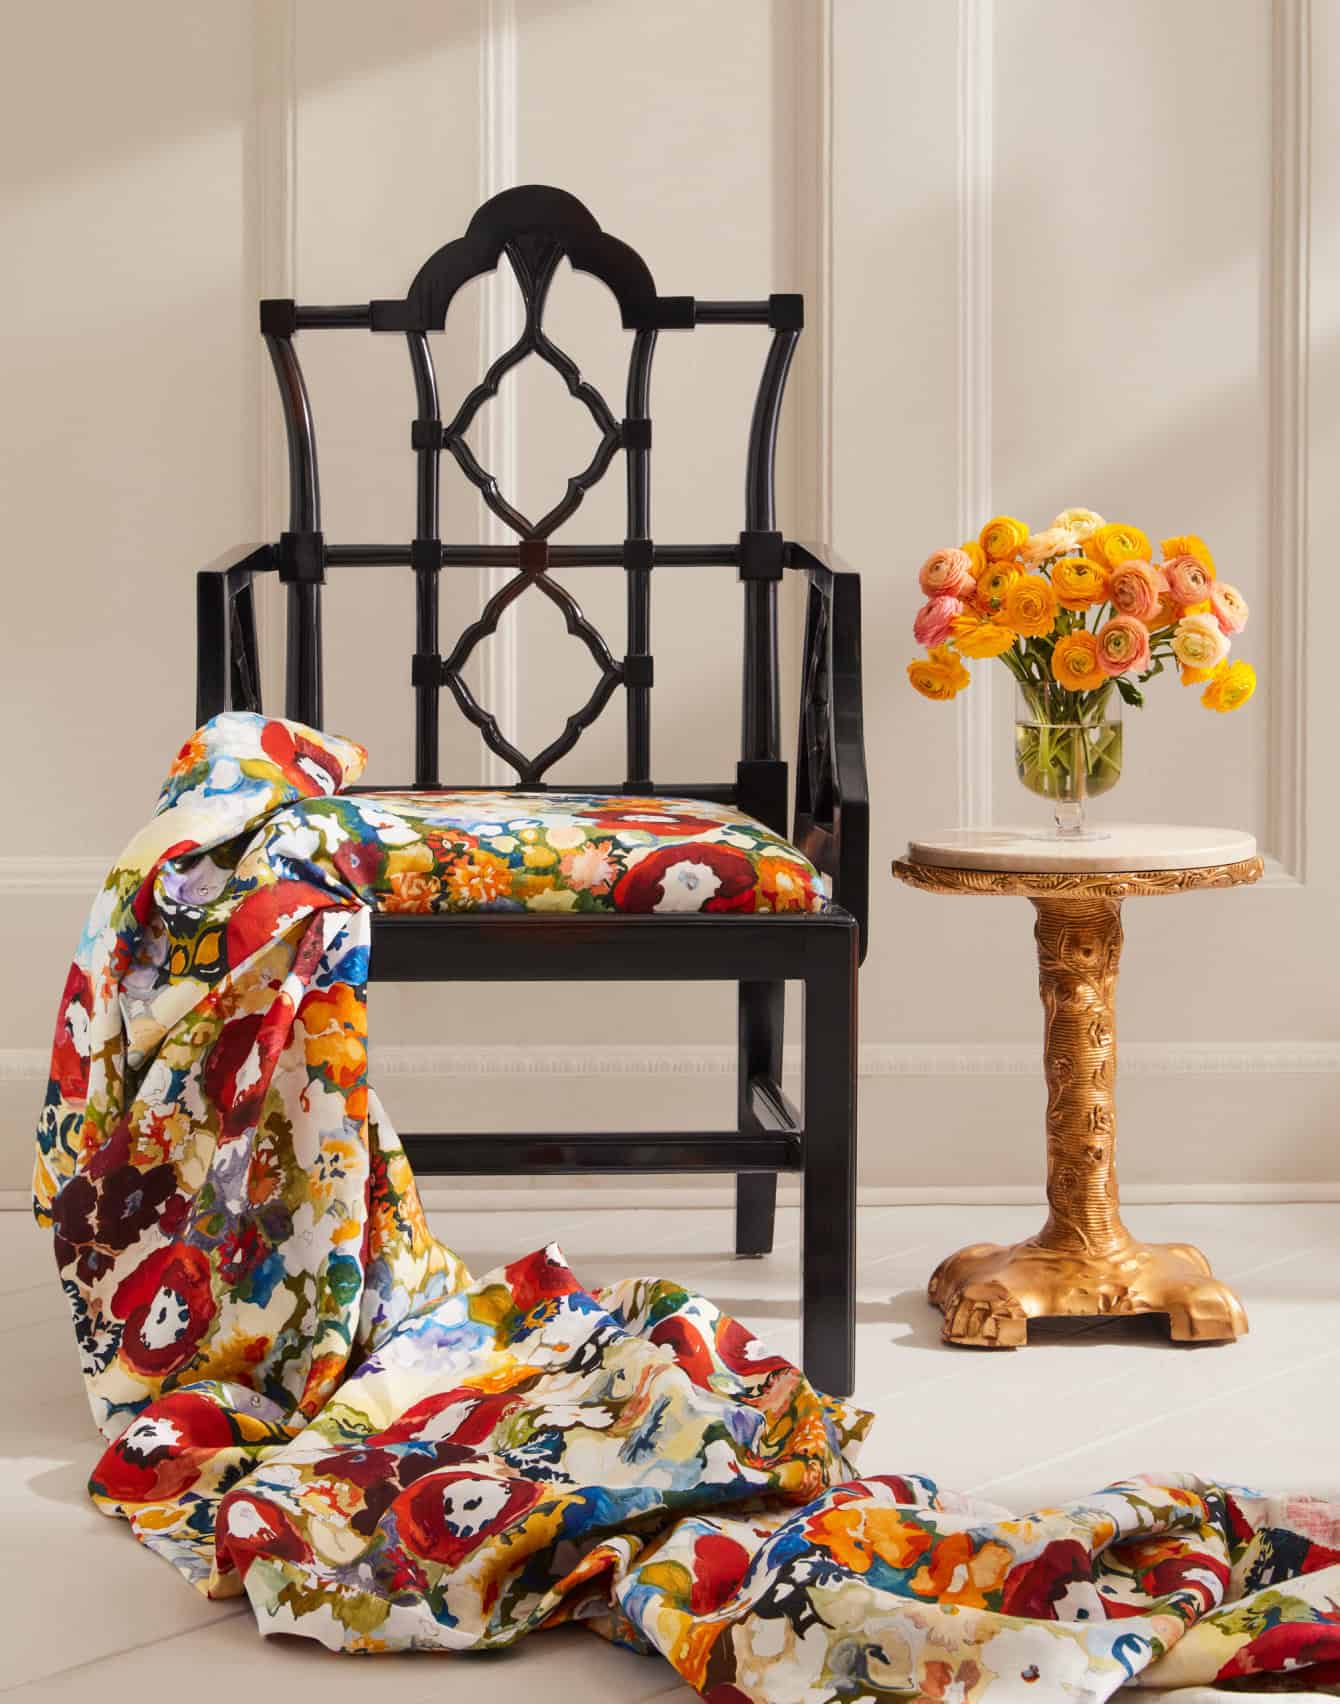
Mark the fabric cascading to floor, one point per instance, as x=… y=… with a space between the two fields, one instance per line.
x=306 y=1397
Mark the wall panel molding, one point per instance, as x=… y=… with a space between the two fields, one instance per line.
x=499 y=326
x=273 y=239
x=811 y=411
x=976 y=35
x=1285 y=360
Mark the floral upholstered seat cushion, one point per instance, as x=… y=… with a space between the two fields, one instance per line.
x=572 y=852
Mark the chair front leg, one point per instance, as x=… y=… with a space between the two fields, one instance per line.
x=762 y=1013
x=828 y=1234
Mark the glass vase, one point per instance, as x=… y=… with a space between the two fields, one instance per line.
x=1067 y=748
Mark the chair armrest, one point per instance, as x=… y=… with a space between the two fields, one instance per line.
x=832 y=820
x=227 y=663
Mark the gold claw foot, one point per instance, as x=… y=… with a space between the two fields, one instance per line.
x=1204 y=1312
x=984 y=1316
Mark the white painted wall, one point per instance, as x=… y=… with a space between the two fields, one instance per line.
x=1054 y=251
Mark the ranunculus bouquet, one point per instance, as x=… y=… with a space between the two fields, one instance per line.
x=1077 y=612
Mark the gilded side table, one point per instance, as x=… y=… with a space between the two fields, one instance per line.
x=1084 y=1260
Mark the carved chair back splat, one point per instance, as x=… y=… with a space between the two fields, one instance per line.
x=530 y=230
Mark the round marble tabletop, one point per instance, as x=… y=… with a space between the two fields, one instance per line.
x=1122 y=847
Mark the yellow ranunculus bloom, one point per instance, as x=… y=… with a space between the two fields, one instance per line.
x=976 y=555
x=1030 y=606
x=993 y=587
x=1114 y=544
x=1002 y=537
x=1231 y=687
x=940 y=675
x=1078 y=582
x=980 y=637
x=1188 y=544
x=1076 y=664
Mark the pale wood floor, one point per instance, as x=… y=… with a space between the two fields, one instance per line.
x=86 y=1614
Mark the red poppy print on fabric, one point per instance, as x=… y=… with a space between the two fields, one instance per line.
x=166 y=1304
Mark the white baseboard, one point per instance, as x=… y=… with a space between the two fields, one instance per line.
x=877 y=1060
x=53 y=875
x=1256 y=1118
x=532 y=1195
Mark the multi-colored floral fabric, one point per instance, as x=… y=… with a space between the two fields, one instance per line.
x=574 y=852
x=308 y=1399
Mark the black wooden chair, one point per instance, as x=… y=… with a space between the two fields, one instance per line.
x=534 y=227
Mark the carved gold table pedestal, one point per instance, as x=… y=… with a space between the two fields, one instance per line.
x=1083 y=1261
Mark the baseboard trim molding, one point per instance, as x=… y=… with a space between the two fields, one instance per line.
x=877 y=1059
x=513 y=1195
x=83 y=876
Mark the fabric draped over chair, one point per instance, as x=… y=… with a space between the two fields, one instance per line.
x=308 y=1398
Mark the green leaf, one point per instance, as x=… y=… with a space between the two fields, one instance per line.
x=1130 y=693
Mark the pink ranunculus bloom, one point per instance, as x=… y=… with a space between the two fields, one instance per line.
x=1229 y=606
x=947 y=574
x=1189 y=580
x=1123 y=645
x=935 y=621
x=1137 y=588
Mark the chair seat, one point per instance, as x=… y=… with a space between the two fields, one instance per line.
x=552 y=852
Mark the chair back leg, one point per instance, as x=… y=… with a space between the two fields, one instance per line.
x=828 y=1231
x=762 y=1014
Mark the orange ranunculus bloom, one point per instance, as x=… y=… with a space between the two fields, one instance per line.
x=1001 y=537
x=1189 y=544
x=940 y=675
x=1078 y=582
x=1030 y=606
x=981 y=636
x=1111 y=545
x=993 y=587
x=1231 y=685
x=1076 y=664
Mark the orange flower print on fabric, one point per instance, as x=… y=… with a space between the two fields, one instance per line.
x=411 y=890
x=479 y=877
x=336 y=1022
x=855 y=1535
x=785 y=885
x=958 y=1572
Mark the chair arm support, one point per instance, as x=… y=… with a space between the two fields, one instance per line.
x=832 y=821
x=227 y=662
